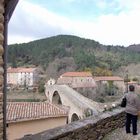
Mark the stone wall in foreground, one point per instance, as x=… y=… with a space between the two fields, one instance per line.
x=92 y=128
x=1 y=65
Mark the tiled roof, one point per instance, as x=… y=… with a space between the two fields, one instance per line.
x=132 y=82
x=22 y=111
x=20 y=69
x=77 y=74
x=108 y=78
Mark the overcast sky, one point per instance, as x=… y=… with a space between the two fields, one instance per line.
x=110 y=22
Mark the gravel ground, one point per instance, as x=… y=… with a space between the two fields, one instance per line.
x=119 y=134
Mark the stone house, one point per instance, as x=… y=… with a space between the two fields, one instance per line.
x=22 y=76
x=77 y=80
x=117 y=81
x=82 y=82
x=33 y=117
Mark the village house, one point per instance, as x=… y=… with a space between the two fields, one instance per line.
x=33 y=117
x=77 y=80
x=116 y=80
x=22 y=76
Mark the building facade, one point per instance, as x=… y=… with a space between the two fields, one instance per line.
x=77 y=80
x=116 y=80
x=33 y=117
x=22 y=76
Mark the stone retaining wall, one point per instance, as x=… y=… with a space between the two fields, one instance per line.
x=92 y=128
x=1 y=65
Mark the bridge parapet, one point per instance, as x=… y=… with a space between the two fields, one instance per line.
x=91 y=128
x=79 y=105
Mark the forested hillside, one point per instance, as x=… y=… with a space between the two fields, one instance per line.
x=68 y=53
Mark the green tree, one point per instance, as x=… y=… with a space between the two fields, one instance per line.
x=41 y=88
x=135 y=79
x=14 y=63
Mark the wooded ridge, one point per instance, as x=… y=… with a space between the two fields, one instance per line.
x=71 y=51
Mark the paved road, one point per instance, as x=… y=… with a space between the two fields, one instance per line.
x=119 y=134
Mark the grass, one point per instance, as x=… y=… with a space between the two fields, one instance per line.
x=25 y=96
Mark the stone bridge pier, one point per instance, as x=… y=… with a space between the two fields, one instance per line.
x=79 y=106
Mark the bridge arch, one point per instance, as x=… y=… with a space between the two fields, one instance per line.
x=56 y=99
x=74 y=117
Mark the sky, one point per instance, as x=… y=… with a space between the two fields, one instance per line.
x=110 y=22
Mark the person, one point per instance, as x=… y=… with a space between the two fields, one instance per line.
x=131 y=109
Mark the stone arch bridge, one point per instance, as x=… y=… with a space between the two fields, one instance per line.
x=80 y=106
